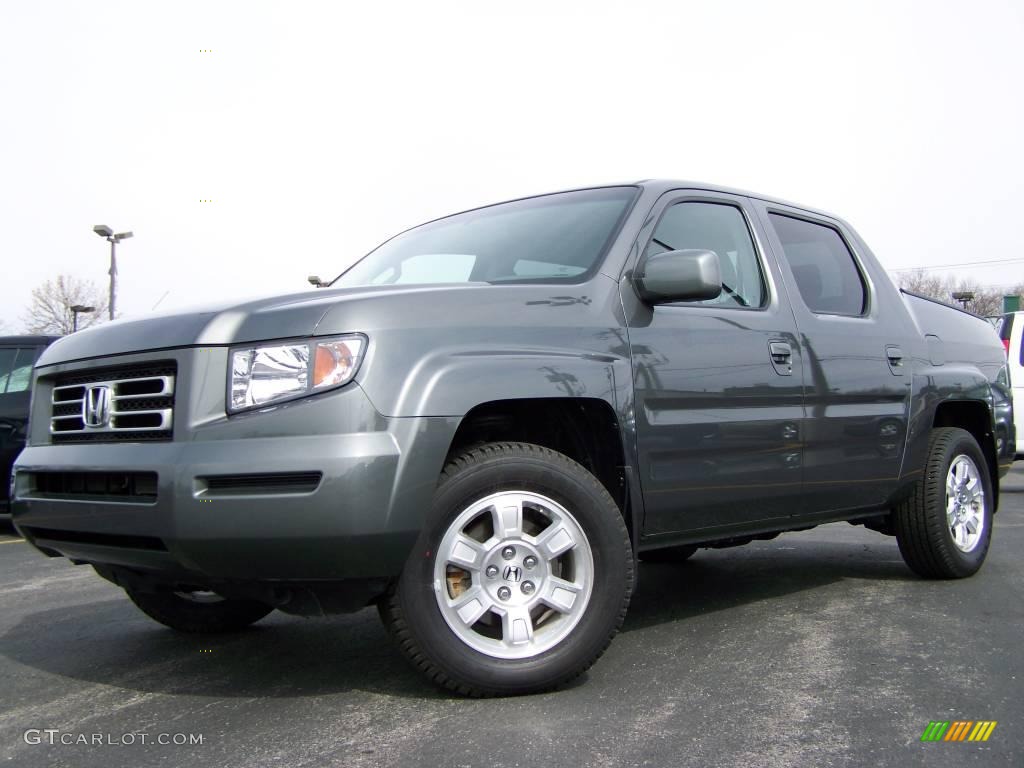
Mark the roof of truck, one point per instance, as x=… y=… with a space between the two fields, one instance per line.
x=31 y=340
x=666 y=185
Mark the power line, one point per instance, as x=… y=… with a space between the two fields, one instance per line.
x=965 y=264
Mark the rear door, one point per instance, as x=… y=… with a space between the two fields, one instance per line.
x=718 y=384
x=855 y=351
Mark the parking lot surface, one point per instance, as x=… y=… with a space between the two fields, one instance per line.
x=815 y=649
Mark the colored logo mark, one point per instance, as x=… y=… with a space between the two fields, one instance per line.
x=959 y=730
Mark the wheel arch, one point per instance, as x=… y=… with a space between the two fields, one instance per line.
x=975 y=417
x=587 y=430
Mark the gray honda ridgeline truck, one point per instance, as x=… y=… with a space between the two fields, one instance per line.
x=483 y=424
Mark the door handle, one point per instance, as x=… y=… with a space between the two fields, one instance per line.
x=895 y=357
x=781 y=351
x=782 y=357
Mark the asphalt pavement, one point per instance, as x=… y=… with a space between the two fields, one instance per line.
x=815 y=649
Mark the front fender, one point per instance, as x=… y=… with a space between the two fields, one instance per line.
x=453 y=381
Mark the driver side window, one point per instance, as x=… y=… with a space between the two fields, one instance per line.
x=721 y=228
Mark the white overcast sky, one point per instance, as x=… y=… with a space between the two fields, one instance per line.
x=319 y=129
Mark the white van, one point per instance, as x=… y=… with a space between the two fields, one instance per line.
x=1011 y=331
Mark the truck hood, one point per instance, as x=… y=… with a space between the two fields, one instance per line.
x=260 y=319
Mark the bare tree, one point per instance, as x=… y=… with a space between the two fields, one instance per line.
x=50 y=311
x=924 y=283
x=986 y=302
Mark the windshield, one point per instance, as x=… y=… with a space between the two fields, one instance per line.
x=552 y=238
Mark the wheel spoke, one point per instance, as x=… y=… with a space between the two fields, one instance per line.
x=466 y=553
x=508 y=519
x=965 y=503
x=517 y=626
x=560 y=594
x=555 y=540
x=951 y=509
x=471 y=605
x=513 y=555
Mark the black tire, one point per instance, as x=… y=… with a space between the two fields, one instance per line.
x=195 y=617
x=678 y=554
x=411 y=612
x=922 y=530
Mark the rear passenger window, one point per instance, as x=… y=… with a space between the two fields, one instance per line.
x=826 y=275
x=721 y=228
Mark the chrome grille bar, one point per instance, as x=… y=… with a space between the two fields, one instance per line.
x=75 y=417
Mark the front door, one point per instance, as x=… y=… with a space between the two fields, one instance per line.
x=718 y=383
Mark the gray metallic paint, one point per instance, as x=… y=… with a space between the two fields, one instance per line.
x=717 y=442
x=718 y=428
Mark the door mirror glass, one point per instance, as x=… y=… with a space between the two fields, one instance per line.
x=690 y=275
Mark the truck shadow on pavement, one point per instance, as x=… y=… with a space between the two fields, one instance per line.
x=110 y=642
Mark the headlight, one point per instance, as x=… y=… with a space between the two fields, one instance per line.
x=271 y=373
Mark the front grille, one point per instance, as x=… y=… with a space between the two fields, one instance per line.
x=113 y=486
x=114 y=404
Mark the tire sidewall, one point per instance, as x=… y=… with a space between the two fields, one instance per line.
x=964 y=563
x=602 y=524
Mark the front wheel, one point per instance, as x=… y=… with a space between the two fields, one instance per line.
x=522 y=577
x=945 y=527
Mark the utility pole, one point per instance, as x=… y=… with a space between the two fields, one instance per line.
x=106 y=232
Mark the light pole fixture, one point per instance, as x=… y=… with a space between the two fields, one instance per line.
x=964 y=297
x=106 y=232
x=75 y=309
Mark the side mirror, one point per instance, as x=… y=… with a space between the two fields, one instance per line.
x=690 y=275
x=316 y=282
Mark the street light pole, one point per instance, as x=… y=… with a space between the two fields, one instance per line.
x=75 y=309
x=106 y=232
x=113 y=276
x=964 y=297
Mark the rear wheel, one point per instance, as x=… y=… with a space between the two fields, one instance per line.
x=199 y=612
x=945 y=527
x=521 y=578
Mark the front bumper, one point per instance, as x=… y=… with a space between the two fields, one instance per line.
x=358 y=521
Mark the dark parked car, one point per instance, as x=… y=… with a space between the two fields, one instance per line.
x=17 y=356
x=482 y=424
